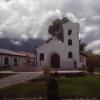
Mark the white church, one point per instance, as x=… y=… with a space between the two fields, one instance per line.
x=62 y=55
x=60 y=52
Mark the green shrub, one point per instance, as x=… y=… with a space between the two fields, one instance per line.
x=47 y=71
x=91 y=69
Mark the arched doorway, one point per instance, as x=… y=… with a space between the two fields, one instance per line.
x=6 y=61
x=55 y=60
x=15 y=62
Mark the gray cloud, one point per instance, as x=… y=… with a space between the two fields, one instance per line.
x=23 y=19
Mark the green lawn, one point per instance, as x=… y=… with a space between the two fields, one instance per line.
x=68 y=87
x=84 y=86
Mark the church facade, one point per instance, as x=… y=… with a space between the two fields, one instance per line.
x=62 y=55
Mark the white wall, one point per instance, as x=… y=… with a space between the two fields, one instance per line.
x=83 y=60
x=20 y=60
x=75 y=40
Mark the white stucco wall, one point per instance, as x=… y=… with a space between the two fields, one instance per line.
x=54 y=46
x=83 y=60
x=20 y=60
x=75 y=40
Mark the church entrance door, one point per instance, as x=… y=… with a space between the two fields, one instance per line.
x=55 y=60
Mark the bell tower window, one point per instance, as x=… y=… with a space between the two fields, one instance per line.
x=70 y=42
x=69 y=32
x=70 y=55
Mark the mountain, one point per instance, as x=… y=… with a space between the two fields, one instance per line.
x=26 y=45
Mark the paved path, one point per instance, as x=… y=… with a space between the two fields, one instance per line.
x=18 y=78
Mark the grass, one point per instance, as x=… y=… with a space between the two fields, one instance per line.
x=80 y=87
x=68 y=87
x=2 y=75
x=25 y=90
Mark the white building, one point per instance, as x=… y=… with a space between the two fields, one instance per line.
x=62 y=55
x=10 y=58
x=14 y=60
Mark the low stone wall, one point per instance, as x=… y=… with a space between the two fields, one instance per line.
x=24 y=68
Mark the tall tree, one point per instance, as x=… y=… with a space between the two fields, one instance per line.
x=56 y=29
x=82 y=46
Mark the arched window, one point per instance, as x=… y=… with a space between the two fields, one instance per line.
x=70 y=42
x=41 y=56
x=69 y=32
x=70 y=55
x=6 y=61
x=15 y=62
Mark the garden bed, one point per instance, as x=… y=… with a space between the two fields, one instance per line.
x=70 y=74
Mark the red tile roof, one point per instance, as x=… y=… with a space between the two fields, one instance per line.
x=10 y=52
x=26 y=53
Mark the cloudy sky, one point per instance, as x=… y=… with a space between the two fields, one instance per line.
x=23 y=19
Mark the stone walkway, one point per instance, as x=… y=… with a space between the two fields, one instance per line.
x=18 y=78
